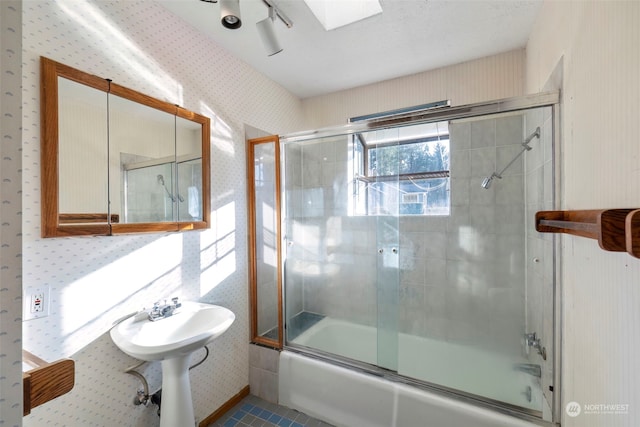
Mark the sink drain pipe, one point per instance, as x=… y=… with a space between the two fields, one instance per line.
x=142 y=396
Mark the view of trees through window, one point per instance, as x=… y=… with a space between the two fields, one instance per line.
x=414 y=157
x=405 y=176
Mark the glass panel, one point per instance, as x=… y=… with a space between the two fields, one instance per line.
x=82 y=151
x=189 y=197
x=266 y=244
x=463 y=284
x=148 y=196
x=539 y=268
x=388 y=246
x=330 y=275
x=189 y=169
x=141 y=137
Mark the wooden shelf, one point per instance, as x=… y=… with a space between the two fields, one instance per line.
x=616 y=230
x=46 y=381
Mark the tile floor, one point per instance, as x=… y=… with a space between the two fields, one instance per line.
x=255 y=412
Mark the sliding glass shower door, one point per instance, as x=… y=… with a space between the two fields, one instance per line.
x=341 y=269
x=375 y=168
x=410 y=251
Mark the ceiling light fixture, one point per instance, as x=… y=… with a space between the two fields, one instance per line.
x=266 y=28
x=267 y=34
x=230 y=17
x=230 y=14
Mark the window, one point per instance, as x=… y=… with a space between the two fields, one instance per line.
x=402 y=171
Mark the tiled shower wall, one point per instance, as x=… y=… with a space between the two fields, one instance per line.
x=95 y=280
x=461 y=276
x=480 y=251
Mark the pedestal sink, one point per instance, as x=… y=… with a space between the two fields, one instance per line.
x=172 y=340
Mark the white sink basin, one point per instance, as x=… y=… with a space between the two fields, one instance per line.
x=171 y=340
x=191 y=327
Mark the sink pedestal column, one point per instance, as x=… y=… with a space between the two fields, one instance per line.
x=176 y=407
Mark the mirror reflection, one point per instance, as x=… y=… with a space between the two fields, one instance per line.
x=82 y=129
x=189 y=170
x=117 y=161
x=142 y=150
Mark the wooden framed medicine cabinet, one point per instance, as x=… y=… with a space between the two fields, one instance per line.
x=114 y=160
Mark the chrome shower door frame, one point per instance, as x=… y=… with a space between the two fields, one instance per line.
x=515 y=104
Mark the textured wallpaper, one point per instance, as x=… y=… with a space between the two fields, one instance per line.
x=598 y=46
x=95 y=280
x=492 y=77
x=10 y=215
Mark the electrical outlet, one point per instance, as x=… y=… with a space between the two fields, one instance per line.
x=36 y=302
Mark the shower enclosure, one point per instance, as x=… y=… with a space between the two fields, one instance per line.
x=409 y=251
x=162 y=190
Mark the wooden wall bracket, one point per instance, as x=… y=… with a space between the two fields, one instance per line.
x=632 y=225
x=46 y=381
x=616 y=230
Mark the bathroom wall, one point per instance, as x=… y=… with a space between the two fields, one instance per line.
x=492 y=77
x=10 y=214
x=95 y=280
x=598 y=45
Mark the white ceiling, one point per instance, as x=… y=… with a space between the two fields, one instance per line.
x=409 y=36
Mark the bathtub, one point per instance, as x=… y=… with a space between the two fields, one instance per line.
x=350 y=398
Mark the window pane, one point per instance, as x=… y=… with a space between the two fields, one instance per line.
x=424 y=197
x=409 y=197
x=391 y=168
x=428 y=156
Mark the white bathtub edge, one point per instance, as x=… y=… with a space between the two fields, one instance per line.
x=347 y=398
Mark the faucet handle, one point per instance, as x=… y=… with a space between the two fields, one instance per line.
x=174 y=300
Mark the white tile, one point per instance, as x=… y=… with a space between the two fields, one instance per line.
x=483 y=162
x=459 y=136
x=483 y=133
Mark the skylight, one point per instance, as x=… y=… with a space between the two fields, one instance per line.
x=337 y=13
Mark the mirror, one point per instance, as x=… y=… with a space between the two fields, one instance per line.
x=117 y=161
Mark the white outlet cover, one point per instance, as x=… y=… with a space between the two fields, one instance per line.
x=30 y=293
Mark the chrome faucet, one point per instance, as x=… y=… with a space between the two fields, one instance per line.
x=532 y=340
x=160 y=311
